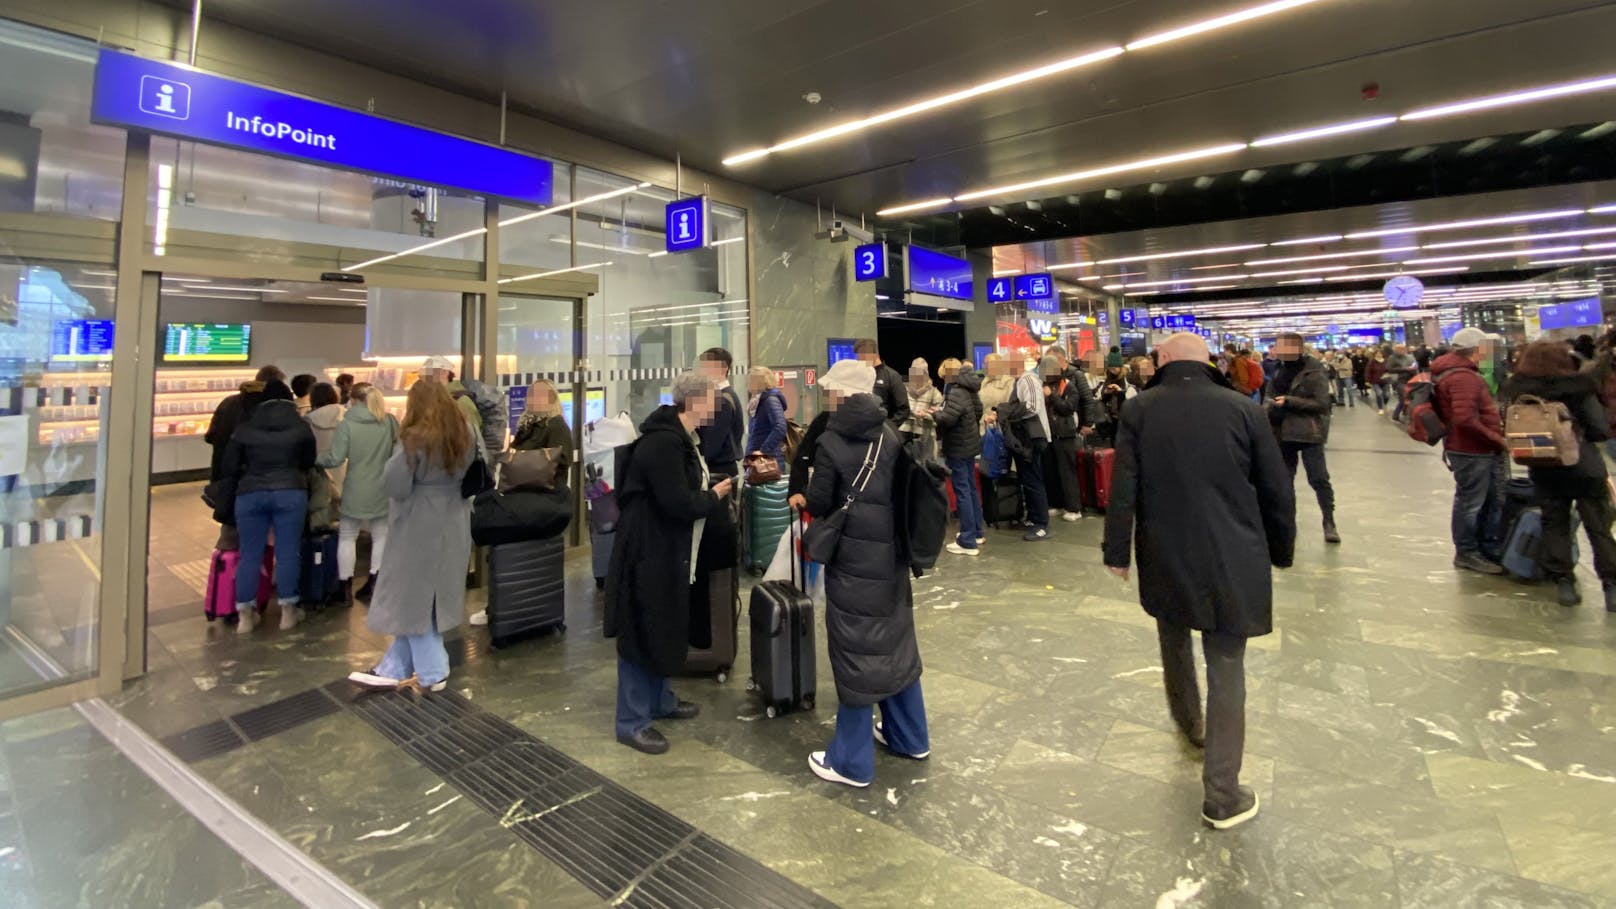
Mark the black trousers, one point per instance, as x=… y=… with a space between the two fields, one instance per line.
x=1318 y=473
x=1225 y=724
x=1596 y=513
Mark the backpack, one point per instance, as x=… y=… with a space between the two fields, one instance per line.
x=924 y=517
x=995 y=457
x=794 y=435
x=493 y=410
x=1541 y=433
x=1012 y=417
x=1425 y=424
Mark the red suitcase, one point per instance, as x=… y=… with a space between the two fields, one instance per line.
x=953 y=501
x=220 y=602
x=1094 y=474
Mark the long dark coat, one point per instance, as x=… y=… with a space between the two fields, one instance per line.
x=1200 y=491
x=869 y=614
x=1579 y=392
x=648 y=584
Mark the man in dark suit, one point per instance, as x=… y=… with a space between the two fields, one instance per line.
x=1200 y=469
x=890 y=387
x=721 y=439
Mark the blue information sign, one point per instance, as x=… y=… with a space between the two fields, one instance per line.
x=1048 y=305
x=936 y=274
x=1102 y=318
x=870 y=262
x=1158 y=322
x=1172 y=323
x=688 y=225
x=175 y=100
x=1576 y=314
x=1125 y=317
x=1034 y=287
x=1001 y=290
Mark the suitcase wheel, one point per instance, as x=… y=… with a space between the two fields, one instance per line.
x=723 y=676
x=751 y=684
x=770 y=712
x=808 y=702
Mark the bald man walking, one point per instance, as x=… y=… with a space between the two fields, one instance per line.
x=1201 y=493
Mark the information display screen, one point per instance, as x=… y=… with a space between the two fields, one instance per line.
x=207 y=342
x=81 y=340
x=1576 y=314
x=594 y=406
x=838 y=349
x=933 y=273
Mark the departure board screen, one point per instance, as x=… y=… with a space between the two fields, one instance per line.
x=81 y=340
x=207 y=342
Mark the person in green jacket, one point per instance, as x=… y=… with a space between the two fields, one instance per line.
x=364 y=440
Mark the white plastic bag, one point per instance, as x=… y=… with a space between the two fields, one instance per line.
x=606 y=434
x=809 y=576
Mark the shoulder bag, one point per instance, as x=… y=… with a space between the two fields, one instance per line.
x=822 y=537
x=528 y=470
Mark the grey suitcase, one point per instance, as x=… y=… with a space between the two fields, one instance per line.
x=527 y=590
x=600 y=554
x=724 y=609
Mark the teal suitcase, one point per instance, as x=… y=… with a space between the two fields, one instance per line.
x=768 y=517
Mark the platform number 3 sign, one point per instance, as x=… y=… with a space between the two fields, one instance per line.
x=870 y=262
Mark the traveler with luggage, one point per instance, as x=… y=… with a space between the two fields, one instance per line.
x=1300 y=413
x=1115 y=390
x=1203 y=500
x=234 y=411
x=1400 y=368
x=362 y=445
x=422 y=594
x=1024 y=421
x=269 y=456
x=1474 y=450
x=664 y=496
x=722 y=435
x=766 y=417
x=324 y=416
x=924 y=401
x=1548 y=371
x=961 y=442
x=1375 y=376
x=998 y=383
x=1066 y=408
x=869 y=614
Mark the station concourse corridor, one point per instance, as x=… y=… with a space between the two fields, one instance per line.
x=1419 y=737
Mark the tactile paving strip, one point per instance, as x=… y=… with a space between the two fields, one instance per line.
x=620 y=846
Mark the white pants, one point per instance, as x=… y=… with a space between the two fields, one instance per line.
x=348 y=537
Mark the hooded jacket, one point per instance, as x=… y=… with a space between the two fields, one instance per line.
x=230 y=414
x=869 y=614
x=958 y=422
x=1579 y=392
x=271 y=451
x=1466 y=405
x=364 y=445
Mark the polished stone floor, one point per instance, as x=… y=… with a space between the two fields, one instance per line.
x=1419 y=738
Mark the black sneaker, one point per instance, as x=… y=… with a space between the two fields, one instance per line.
x=1471 y=561
x=1225 y=819
x=1035 y=535
x=1567 y=593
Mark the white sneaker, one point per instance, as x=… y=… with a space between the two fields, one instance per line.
x=439 y=685
x=980 y=541
x=957 y=549
x=290 y=616
x=816 y=763
x=1054 y=512
x=1071 y=516
x=372 y=680
x=479 y=617
x=881 y=736
x=248 y=619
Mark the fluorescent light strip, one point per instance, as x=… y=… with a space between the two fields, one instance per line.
x=1593 y=246
x=727 y=242
x=1211 y=267
x=1538 y=94
x=1393 y=274
x=557 y=209
x=246 y=290
x=1296 y=271
x=1320 y=132
x=1076 y=176
x=1506 y=254
x=1207 y=25
x=1322 y=257
x=1199 y=290
x=1559 y=235
x=1573 y=260
x=1175 y=281
x=351 y=301
x=1186 y=252
x=605 y=246
x=1603 y=210
x=1327 y=238
x=909 y=110
x=547 y=274
x=1067 y=265
x=915 y=206
x=465 y=235
x=1462 y=225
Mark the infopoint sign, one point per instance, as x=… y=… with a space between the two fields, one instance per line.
x=160 y=97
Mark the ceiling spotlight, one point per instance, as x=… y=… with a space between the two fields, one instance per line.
x=1540 y=137
x=1603 y=129
x=1478 y=146
x=1204 y=182
x=1252 y=176
x=1113 y=195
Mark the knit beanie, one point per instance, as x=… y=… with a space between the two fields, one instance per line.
x=1113 y=360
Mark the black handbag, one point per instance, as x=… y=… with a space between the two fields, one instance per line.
x=477 y=480
x=820 y=540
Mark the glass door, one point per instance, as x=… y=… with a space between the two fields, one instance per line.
x=540 y=346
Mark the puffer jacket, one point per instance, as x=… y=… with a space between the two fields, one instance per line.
x=271 y=451
x=1466 y=405
x=1579 y=392
x=1304 y=418
x=869 y=614
x=957 y=423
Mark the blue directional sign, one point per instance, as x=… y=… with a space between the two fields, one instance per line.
x=1034 y=287
x=870 y=262
x=1048 y=305
x=1001 y=290
x=1125 y=317
x=1159 y=323
x=934 y=273
x=175 y=100
x=688 y=225
x=1102 y=317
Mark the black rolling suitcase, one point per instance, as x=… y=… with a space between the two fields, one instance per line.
x=527 y=590
x=318 y=584
x=1001 y=501
x=783 y=654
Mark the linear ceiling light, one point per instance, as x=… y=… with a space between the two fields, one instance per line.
x=1603 y=210
x=1297 y=271
x=1319 y=132
x=1506 y=254
x=1067 y=265
x=1145 y=164
x=1390 y=250
x=1461 y=225
x=1185 y=252
x=1537 y=94
x=547 y=274
x=1210 y=267
x=1327 y=238
x=1393 y=274
x=465 y=235
x=1586 y=232
x=1571 y=260
x=1174 y=281
x=556 y=209
x=909 y=110
x=1208 y=25
x=915 y=206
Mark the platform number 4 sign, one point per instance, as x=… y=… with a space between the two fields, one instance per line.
x=870 y=262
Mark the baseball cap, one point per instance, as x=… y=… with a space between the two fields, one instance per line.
x=849 y=377
x=436 y=364
x=1467 y=338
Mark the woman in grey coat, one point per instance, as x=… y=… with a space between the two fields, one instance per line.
x=423 y=593
x=364 y=441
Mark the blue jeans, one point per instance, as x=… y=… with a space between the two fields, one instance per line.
x=962 y=473
x=642 y=696
x=1033 y=491
x=1478 y=503
x=286 y=511
x=903 y=721
x=420 y=655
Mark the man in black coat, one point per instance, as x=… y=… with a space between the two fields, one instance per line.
x=890 y=387
x=1300 y=412
x=721 y=436
x=234 y=411
x=1202 y=495
x=666 y=503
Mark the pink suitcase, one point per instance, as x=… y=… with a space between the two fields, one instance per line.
x=220 y=602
